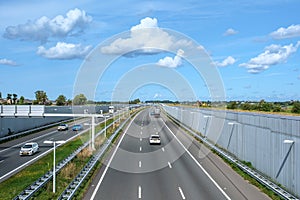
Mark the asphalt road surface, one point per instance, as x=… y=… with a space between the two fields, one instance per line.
x=178 y=168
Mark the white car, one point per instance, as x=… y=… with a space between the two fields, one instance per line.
x=63 y=127
x=29 y=148
x=154 y=139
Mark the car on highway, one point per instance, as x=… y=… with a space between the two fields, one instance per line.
x=29 y=148
x=77 y=127
x=62 y=127
x=154 y=139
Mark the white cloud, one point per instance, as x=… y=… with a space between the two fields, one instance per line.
x=63 y=51
x=289 y=32
x=172 y=62
x=273 y=55
x=43 y=28
x=145 y=23
x=227 y=61
x=230 y=31
x=5 y=61
x=144 y=38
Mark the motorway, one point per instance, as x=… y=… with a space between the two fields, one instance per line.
x=11 y=162
x=179 y=168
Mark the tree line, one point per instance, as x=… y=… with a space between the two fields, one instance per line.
x=291 y=106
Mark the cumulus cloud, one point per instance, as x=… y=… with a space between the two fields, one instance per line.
x=289 y=32
x=172 y=62
x=40 y=30
x=227 y=61
x=145 y=23
x=63 y=51
x=273 y=55
x=5 y=61
x=230 y=31
x=144 y=38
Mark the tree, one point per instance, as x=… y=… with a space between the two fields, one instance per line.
x=0 y=95
x=15 y=98
x=61 y=100
x=232 y=105
x=8 y=98
x=41 y=97
x=69 y=102
x=296 y=107
x=136 y=101
x=79 y=99
x=21 y=101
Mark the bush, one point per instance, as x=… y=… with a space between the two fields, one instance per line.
x=296 y=107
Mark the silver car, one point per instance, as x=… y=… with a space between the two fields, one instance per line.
x=29 y=148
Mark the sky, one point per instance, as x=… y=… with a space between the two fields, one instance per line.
x=252 y=48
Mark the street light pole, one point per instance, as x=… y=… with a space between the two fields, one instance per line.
x=54 y=170
x=105 y=126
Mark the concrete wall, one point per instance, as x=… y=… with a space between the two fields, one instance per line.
x=21 y=124
x=252 y=137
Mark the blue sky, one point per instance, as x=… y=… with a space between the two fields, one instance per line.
x=254 y=46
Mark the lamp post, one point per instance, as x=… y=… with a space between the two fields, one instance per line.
x=91 y=144
x=105 y=125
x=54 y=145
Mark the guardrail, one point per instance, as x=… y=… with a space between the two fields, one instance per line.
x=69 y=192
x=253 y=173
x=34 y=187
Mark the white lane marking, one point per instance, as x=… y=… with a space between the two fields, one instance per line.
x=181 y=193
x=140 y=164
x=140 y=192
x=18 y=145
x=170 y=165
x=140 y=148
x=163 y=149
x=141 y=139
x=141 y=128
x=200 y=166
x=141 y=132
x=110 y=160
x=1 y=161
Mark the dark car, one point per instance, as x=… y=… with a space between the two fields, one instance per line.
x=77 y=127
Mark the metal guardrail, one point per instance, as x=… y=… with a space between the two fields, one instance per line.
x=29 y=191
x=34 y=187
x=69 y=192
x=253 y=173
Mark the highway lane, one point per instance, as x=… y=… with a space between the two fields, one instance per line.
x=172 y=170
x=11 y=162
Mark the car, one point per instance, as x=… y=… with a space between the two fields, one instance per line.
x=29 y=148
x=62 y=127
x=154 y=139
x=77 y=127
